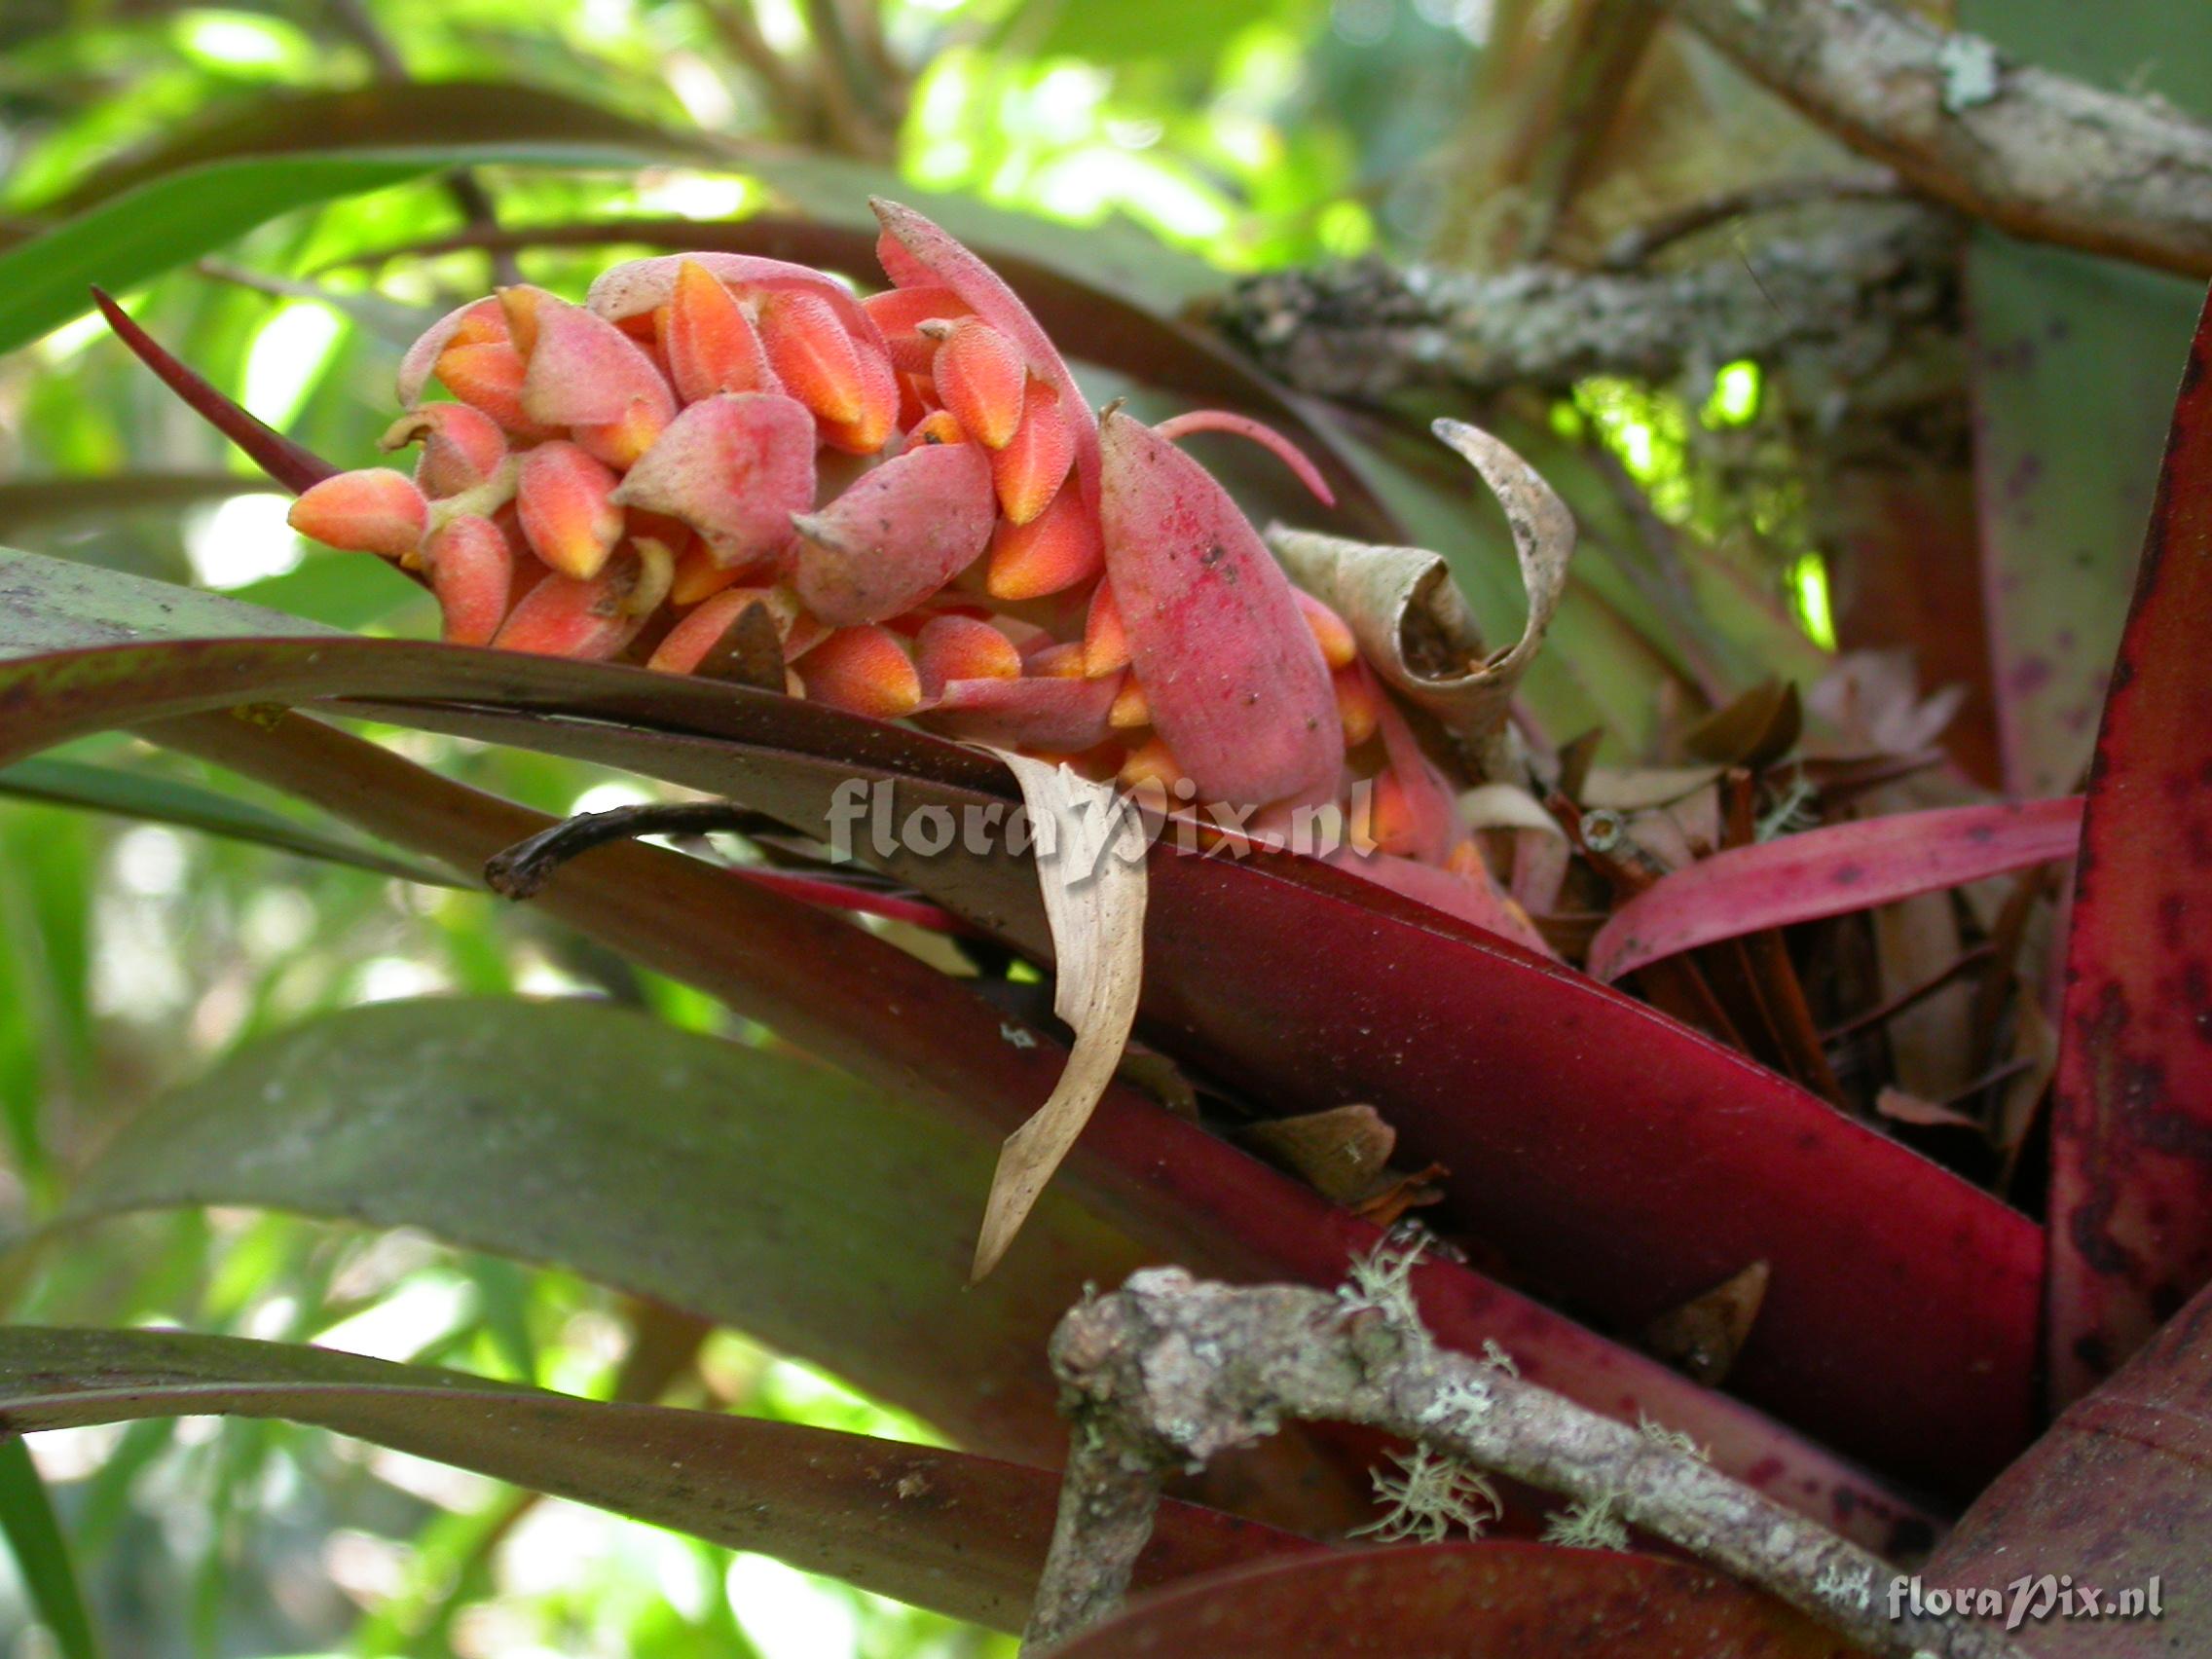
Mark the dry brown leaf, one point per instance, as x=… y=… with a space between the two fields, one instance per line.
x=1411 y=620
x=1341 y=1151
x=1094 y=887
x=1705 y=1334
x=1906 y=1108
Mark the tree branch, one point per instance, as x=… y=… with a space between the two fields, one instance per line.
x=1169 y=1371
x=2040 y=154
x=1851 y=302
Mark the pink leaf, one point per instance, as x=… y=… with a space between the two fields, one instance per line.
x=1830 y=873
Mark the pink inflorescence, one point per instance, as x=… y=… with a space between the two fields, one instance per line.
x=912 y=491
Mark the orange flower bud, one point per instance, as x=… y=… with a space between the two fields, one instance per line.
x=1358 y=708
x=1131 y=710
x=711 y=344
x=1029 y=470
x=963 y=647
x=490 y=378
x=480 y=322
x=1154 y=763
x=898 y=311
x=589 y=621
x=690 y=640
x=1105 y=646
x=939 y=427
x=1056 y=661
x=1339 y=650
x=864 y=671
x=472 y=572
x=1045 y=555
x=699 y=574
x=981 y=379
x=812 y=354
x=463 y=447
x=374 y=510
x=566 y=500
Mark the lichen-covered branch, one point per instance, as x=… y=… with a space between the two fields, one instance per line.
x=1170 y=1370
x=2042 y=154
x=1846 y=306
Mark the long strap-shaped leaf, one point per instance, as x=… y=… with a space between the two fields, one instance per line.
x=2117 y=1492
x=945 y=1051
x=1530 y=1600
x=2131 y=1141
x=1610 y=1149
x=1554 y=1138
x=1830 y=873
x=945 y=1529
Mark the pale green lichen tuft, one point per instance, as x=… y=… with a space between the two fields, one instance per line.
x=1672 y=1439
x=1590 y=1524
x=1433 y=1495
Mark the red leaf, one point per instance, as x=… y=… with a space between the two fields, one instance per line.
x=2115 y=1492
x=1529 y=1600
x=2131 y=1142
x=1830 y=873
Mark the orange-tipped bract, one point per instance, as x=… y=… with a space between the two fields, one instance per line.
x=374 y=510
x=565 y=500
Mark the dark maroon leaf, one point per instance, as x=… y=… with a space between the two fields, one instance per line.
x=1188 y=1195
x=945 y=1529
x=1527 y=1601
x=2117 y=1490
x=2131 y=1135
x=1605 y=1148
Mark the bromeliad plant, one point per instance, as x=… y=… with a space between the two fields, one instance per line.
x=911 y=492
x=729 y=526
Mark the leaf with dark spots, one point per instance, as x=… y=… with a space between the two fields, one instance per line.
x=2131 y=1133
x=1530 y=1600
x=2116 y=1493
x=966 y=1534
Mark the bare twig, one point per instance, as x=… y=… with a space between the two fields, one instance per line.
x=2042 y=154
x=1170 y=1370
x=1632 y=249
x=739 y=31
x=1853 y=302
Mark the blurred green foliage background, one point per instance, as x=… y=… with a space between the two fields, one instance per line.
x=1195 y=138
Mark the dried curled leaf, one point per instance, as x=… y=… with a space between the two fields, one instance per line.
x=1093 y=885
x=1411 y=621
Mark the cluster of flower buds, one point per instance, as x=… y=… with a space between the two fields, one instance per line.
x=910 y=490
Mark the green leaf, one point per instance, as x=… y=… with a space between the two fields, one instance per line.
x=963 y=1534
x=172 y=219
x=2074 y=363
x=756 y=1189
x=172 y=800
x=42 y=1553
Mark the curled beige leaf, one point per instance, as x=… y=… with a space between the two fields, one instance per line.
x=1413 y=623
x=1093 y=885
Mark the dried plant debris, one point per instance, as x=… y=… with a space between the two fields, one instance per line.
x=1095 y=898
x=1411 y=620
x=1703 y=1335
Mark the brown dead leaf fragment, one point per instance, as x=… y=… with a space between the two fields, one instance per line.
x=1411 y=620
x=1345 y=1155
x=750 y=653
x=1094 y=887
x=1703 y=1335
